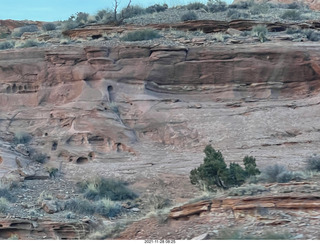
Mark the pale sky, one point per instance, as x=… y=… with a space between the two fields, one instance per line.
x=51 y=10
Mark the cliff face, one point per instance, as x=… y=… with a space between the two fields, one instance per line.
x=90 y=104
x=313 y=4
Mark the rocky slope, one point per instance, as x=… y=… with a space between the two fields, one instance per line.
x=313 y=4
x=144 y=111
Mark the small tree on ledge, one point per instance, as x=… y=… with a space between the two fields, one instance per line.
x=215 y=173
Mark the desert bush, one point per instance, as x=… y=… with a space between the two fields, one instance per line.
x=104 y=207
x=313 y=163
x=141 y=35
x=295 y=5
x=7 y=45
x=49 y=27
x=216 y=6
x=262 y=8
x=106 y=188
x=69 y=24
x=291 y=15
x=312 y=35
x=235 y=14
x=28 y=28
x=156 y=8
x=249 y=190
x=78 y=205
x=215 y=173
x=38 y=157
x=4 y=205
x=271 y=172
x=287 y=176
x=293 y=30
x=108 y=208
x=196 y=6
x=132 y=11
x=81 y=17
x=158 y=202
x=21 y=137
x=29 y=43
x=5 y=193
x=236 y=234
x=260 y=31
x=191 y=15
x=242 y=5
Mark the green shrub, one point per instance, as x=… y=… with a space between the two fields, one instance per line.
x=30 y=43
x=28 y=28
x=250 y=165
x=4 y=205
x=235 y=14
x=22 y=137
x=38 y=157
x=291 y=15
x=156 y=8
x=108 y=208
x=271 y=173
x=191 y=15
x=5 y=193
x=141 y=35
x=311 y=35
x=196 y=6
x=69 y=25
x=293 y=30
x=81 y=17
x=104 y=207
x=260 y=31
x=48 y=27
x=249 y=190
x=287 y=176
x=262 y=8
x=106 y=188
x=216 y=6
x=215 y=173
x=132 y=11
x=7 y=45
x=242 y=5
x=158 y=202
x=313 y=163
x=295 y=5
x=234 y=234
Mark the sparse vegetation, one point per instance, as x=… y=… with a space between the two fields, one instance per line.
x=249 y=190
x=313 y=163
x=7 y=45
x=28 y=28
x=191 y=15
x=48 y=27
x=22 y=137
x=104 y=207
x=106 y=188
x=196 y=6
x=260 y=31
x=39 y=157
x=4 y=205
x=29 y=43
x=312 y=35
x=156 y=8
x=291 y=15
x=236 y=234
x=141 y=35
